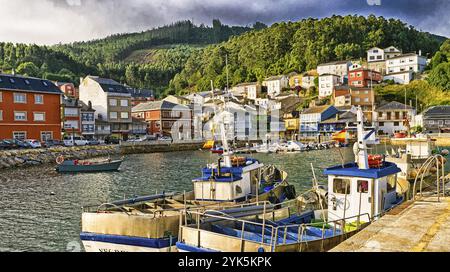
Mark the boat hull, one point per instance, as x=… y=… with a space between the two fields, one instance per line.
x=116 y=243
x=72 y=168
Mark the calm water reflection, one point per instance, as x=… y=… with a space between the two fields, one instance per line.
x=34 y=219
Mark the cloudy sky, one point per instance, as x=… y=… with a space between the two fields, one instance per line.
x=54 y=21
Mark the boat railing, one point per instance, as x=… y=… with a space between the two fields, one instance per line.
x=268 y=227
x=437 y=161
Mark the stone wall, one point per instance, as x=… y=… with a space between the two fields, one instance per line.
x=29 y=157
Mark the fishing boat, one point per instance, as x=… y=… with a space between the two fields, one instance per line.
x=78 y=166
x=357 y=194
x=151 y=223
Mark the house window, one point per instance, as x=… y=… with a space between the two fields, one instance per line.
x=440 y=122
x=363 y=186
x=341 y=186
x=20 y=98
x=20 y=115
x=124 y=115
x=357 y=100
x=431 y=122
x=124 y=103
x=46 y=135
x=1 y=97
x=372 y=57
x=113 y=102
x=70 y=111
x=381 y=124
x=19 y=135
x=396 y=124
x=447 y=122
x=366 y=100
x=113 y=115
x=1 y=115
x=38 y=99
x=39 y=116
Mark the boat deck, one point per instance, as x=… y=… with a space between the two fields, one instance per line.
x=420 y=226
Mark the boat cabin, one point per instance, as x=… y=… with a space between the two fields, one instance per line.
x=236 y=183
x=353 y=191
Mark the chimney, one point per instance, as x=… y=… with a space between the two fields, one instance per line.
x=90 y=105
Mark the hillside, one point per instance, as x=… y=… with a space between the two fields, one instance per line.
x=297 y=46
x=118 y=56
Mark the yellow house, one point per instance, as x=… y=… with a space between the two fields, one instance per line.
x=292 y=124
x=295 y=80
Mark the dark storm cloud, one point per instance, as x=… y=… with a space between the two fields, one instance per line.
x=70 y=20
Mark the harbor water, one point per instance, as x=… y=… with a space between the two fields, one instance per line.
x=40 y=209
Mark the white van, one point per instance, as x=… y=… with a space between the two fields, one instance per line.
x=75 y=141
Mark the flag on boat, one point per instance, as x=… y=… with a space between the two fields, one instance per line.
x=340 y=136
x=208 y=145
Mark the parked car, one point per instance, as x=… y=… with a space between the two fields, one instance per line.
x=7 y=144
x=112 y=140
x=93 y=142
x=51 y=143
x=33 y=143
x=165 y=138
x=75 y=141
x=21 y=144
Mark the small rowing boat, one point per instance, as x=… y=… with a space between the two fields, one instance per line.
x=77 y=166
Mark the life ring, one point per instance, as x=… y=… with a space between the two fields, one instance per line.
x=60 y=159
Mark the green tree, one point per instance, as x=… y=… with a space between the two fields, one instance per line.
x=28 y=69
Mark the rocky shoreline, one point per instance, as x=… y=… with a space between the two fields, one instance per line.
x=32 y=157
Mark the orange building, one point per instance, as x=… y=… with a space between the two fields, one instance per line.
x=361 y=78
x=30 y=108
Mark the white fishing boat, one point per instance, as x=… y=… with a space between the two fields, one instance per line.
x=151 y=223
x=358 y=193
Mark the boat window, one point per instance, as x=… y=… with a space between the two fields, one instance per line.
x=341 y=186
x=363 y=186
x=391 y=183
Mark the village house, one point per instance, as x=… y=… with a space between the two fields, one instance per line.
x=340 y=121
x=339 y=68
x=376 y=58
x=365 y=98
x=403 y=78
x=295 y=81
x=162 y=117
x=87 y=120
x=102 y=129
x=71 y=117
x=292 y=124
x=30 y=108
x=437 y=119
x=407 y=62
x=327 y=83
x=276 y=84
x=68 y=89
x=308 y=79
x=312 y=117
x=139 y=96
x=342 y=96
x=139 y=127
x=391 y=117
x=250 y=91
x=111 y=101
x=363 y=78
x=176 y=99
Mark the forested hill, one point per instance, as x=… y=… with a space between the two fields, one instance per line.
x=297 y=46
x=105 y=57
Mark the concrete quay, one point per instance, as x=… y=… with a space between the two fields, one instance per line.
x=415 y=226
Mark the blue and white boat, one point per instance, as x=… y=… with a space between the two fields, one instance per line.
x=358 y=193
x=151 y=223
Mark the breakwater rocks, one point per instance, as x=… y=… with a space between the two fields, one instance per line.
x=155 y=147
x=30 y=157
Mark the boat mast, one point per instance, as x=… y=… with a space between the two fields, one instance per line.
x=223 y=136
x=361 y=146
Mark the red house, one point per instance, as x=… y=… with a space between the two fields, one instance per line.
x=30 y=108
x=161 y=116
x=362 y=78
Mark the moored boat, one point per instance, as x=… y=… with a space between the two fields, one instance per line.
x=151 y=223
x=77 y=166
x=358 y=193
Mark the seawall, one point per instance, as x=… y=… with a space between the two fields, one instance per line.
x=31 y=157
